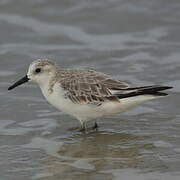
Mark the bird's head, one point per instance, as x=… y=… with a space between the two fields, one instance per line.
x=40 y=71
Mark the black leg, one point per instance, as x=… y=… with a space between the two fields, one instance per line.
x=96 y=126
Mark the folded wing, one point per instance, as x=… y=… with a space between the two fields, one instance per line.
x=89 y=86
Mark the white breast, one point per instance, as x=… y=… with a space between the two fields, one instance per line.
x=56 y=97
x=83 y=112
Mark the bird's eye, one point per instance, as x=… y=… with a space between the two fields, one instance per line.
x=38 y=70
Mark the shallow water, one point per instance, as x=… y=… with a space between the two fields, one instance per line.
x=135 y=41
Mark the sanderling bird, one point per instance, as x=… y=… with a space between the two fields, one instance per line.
x=86 y=94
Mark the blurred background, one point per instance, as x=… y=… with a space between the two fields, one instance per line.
x=136 y=41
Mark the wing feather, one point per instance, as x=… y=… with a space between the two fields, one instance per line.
x=89 y=86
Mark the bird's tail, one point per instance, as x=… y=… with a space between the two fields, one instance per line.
x=146 y=90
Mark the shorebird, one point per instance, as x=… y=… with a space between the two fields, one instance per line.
x=86 y=94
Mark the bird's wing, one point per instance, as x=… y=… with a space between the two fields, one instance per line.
x=89 y=86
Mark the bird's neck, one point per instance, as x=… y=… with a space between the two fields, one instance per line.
x=48 y=86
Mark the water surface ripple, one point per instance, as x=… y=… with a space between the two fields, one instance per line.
x=137 y=42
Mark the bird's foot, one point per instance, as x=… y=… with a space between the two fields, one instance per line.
x=96 y=126
x=83 y=127
x=74 y=128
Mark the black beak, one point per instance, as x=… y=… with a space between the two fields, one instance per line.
x=21 y=81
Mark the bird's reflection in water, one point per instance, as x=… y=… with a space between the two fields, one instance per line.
x=98 y=151
x=102 y=145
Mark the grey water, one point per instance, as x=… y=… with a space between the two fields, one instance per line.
x=135 y=41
